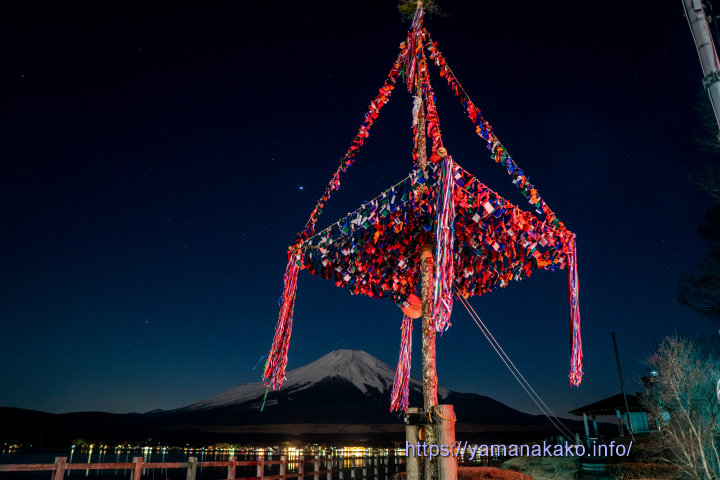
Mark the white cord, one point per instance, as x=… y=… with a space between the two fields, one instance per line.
x=513 y=369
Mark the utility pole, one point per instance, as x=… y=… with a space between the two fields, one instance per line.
x=697 y=20
x=622 y=384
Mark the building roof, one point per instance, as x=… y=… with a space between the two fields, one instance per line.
x=608 y=406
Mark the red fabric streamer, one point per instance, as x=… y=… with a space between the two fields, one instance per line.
x=274 y=373
x=576 y=358
x=433 y=121
x=400 y=397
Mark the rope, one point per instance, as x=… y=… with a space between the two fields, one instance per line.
x=435 y=411
x=511 y=362
x=504 y=357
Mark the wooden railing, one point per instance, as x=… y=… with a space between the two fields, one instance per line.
x=138 y=465
x=369 y=469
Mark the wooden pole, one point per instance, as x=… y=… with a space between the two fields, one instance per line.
x=428 y=334
x=283 y=466
x=60 y=463
x=137 y=470
x=447 y=465
x=426 y=266
x=192 y=468
x=427 y=274
x=232 y=468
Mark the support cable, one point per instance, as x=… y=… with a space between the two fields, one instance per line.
x=505 y=358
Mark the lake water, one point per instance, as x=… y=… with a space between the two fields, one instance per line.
x=347 y=458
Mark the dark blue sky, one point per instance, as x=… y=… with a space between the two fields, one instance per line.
x=152 y=160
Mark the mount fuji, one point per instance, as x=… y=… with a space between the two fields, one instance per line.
x=343 y=395
x=355 y=368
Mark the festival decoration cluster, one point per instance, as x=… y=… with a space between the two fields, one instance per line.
x=482 y=241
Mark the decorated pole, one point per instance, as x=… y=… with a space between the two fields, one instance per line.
x=427 y=272
x=441 y=227
x=695 y=14
x=427 y=266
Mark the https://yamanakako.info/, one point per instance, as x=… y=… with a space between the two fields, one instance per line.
x=471 y=451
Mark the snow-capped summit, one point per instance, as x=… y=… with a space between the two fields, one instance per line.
x=355 y=367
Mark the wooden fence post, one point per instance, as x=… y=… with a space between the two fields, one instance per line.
x=329 y=467
x=261 y=468
x=60 y=463
x=316 y=468
x=137 y=469
x=231 y=468
x=447 y=465
x=283 y=466
x=412 y=462
x=301 y=467
x=364 y=467
x=192 y=468
x=375 y=467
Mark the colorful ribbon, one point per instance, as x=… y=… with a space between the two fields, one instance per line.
x=274 y=372
x=576 y=357
x=444 y=250
x=414 y=42
x=399 y=399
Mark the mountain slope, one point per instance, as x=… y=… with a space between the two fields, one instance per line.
x=355 y=367
x=344 y=386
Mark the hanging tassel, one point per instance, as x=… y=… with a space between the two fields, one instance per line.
x=444 y=240
x=399 y=399
x=576 y=364
x=274 y=373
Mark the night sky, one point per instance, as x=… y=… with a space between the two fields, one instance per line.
x=157 y=160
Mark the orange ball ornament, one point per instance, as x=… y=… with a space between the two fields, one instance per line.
x=414 y=308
